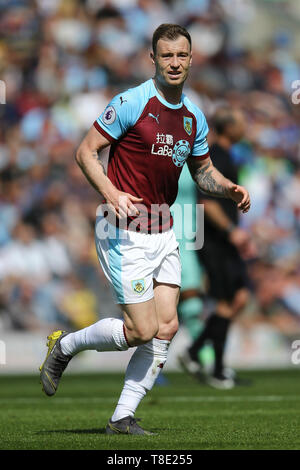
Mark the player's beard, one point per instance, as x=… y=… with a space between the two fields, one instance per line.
x=165 y=80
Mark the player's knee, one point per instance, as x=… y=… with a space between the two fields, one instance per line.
x=174 y=327
x=169 y=329
x=142 y=335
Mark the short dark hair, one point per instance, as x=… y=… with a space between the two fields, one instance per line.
x=169 y=31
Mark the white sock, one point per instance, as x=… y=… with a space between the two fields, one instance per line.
x=142 y=371
x=105 y=335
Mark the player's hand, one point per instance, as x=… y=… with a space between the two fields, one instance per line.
x=122 y=204
x=240 y=195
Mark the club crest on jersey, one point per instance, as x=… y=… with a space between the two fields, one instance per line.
x=109 y=115
x=188 y=124
x=138 y=286
x=181 y=152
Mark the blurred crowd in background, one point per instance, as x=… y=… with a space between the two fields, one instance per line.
x=61 y=62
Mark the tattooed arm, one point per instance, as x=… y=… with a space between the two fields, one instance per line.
x=92 y=166
x=210 y=181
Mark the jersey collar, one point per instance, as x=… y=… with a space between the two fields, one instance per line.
x=163 y=101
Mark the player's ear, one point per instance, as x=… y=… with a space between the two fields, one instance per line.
x=191 y=60
x=152 y=57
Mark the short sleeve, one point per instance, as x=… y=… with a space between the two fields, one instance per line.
x=120 y=114
x=200 y=148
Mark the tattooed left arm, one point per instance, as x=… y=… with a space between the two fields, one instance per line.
x=211 y=182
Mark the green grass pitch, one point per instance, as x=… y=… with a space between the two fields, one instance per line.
x=185 y=415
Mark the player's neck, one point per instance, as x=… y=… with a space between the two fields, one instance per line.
x=170 y=94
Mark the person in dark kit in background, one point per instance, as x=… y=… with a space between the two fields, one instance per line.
x=226 y=246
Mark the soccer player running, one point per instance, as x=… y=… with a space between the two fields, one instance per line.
x=153 y=130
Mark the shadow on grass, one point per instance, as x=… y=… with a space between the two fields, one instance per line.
x=86 y=431
x=73 y=431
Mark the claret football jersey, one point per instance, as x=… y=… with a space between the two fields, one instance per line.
x=151 y=140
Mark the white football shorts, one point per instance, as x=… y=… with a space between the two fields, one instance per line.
x=131 y=260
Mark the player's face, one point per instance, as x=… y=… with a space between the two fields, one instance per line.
x=172 y=61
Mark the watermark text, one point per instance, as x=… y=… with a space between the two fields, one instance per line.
x=295 y=358
x=2 y=92
x=187 y=221
x=296 y=93
x=2 y=353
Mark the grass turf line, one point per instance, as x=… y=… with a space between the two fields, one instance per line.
x=185 y=414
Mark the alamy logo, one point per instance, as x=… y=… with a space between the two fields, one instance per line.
x=193 y=237
x=296 y=93
x=295 y=358
x=2 y=92
x=2 y=353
